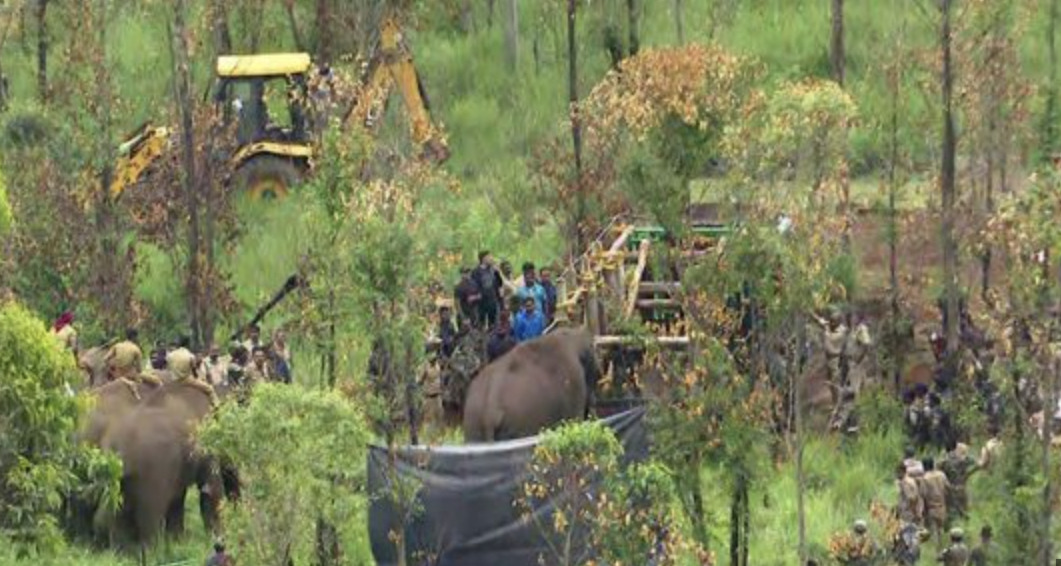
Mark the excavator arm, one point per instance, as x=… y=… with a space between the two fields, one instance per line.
x=392 y=66
x=136 y=154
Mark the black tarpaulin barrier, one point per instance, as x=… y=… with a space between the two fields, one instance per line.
x=467 y=514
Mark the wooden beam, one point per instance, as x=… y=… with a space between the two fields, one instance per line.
x=642 y=261
x=658 y=304
x=660 y=287
x=676 y=342
x=620 y=242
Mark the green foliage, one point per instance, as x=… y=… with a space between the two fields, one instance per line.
x=566 y=461
x=637 y=520
x=301 y=457
x=6 y=217
x=39 y=462
x=654 y=186
x=879 y=411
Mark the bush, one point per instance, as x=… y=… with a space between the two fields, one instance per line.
x=39 y=462
x=638 y=522
x=301 y=457
x=565 y=465
x=6 y=218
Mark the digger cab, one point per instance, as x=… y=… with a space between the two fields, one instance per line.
x=267 y=96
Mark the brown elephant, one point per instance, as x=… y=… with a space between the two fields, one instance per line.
x=111 y=402
x=155 y=442
x=535 y=385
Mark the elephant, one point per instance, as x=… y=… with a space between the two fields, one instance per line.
x=537 y=384
x=112 y=401
x=155 y=442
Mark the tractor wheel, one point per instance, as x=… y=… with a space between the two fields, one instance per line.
x=267 y=177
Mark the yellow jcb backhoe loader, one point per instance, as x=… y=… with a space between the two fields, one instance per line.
x=274 y=156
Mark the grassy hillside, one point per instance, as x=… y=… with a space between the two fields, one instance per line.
x=495 y=117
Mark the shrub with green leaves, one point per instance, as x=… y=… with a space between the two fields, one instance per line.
x=565 y=464
x=40 y=463
x=6 y=217
x=638 y=522
x=301 y=458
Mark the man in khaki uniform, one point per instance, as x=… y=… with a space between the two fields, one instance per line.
x=910 y=508
x=934 y=487
x=957 y=554
x=126 y=363
x=182 y=364
x=65 y=333
x=859 y=343
x=958 y=466
x=991 y=449
x=834 y=342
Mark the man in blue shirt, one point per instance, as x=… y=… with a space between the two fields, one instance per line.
x=531 y=288
x=530 y=323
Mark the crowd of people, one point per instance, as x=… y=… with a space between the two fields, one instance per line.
x=931 y=481
x=247 y=362
x=508 y=309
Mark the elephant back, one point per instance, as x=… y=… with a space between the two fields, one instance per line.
x=535 y=385
x=180 y=398
x=111 y=402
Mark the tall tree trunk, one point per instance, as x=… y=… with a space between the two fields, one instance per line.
x=797 y=414
x=679 y=21
x=292 y=22
x=837 y=54
x=1046 y=552
x=41 y=15
x=182 y=85
x=838 y=59
x=633 y=14
x=576 y=123
x=893 y=223
x=947 y=185
x=222 y=31
x=512 y=34
x=467 y=17
x=111 y=275
x=989 y=205
x=490 y=5
x=324 y=31
x=1049 y=140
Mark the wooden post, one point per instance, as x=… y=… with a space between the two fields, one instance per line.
x=592 y=312
x=635 y=285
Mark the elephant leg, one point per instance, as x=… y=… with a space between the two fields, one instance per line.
x=175 y=516
x=210 y=495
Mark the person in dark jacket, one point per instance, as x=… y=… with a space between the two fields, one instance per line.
x=466 y=295
x=488 y=281
x=447 y=332
x=501 y=339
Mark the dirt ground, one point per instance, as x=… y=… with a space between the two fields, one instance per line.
x=919 y=261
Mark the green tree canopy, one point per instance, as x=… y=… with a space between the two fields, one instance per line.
x=301 y=456
x=39 y=460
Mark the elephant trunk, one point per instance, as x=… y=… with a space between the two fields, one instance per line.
x=591 y=375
